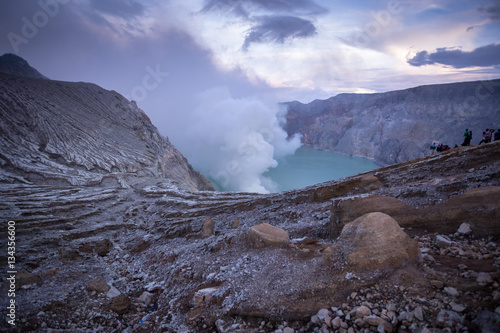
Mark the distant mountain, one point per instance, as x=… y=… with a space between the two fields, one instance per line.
x=54 y=132
x=15 y=65
x=400 y=125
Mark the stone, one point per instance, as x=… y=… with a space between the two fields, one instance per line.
x=322 y=314
x=235 y=224
x=437 y=284
x=329 y=255
x=442 y=242
x=24 y=278
x=464 y=229
x=447 y=318
x=457 y=307
x=345 y=211
x=100 y=247
x=204 y=296
x=288 y=330
x=98 y=285
x=363 y=311
x=112 y=292
x=263 y=235
x=487 y=321
x=477 y=206
x=145 y=299
x=451 y=291
x=484 y=278
x=208 y=227
x=120 y=304
x=376 y=241
x=391 y=307
x=419 y=313
x=377 y=321
x=336 y=323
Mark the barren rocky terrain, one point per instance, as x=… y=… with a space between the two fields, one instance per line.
x=161 y=259
x=117 y=233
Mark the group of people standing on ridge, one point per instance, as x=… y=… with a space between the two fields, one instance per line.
x=487 y=136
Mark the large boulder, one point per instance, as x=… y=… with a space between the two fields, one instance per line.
x=345 y=211
x=263 y=235
x=375 y=241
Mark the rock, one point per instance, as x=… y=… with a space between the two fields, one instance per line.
x=464 y=229
x=476 y=206
x=375 y=241
x=208 y=227
x=100 y=247
x=345 y=211
x=24 y=278
x=267 y=235
x=336 y=323
x=288 y=330
x=322 y=314
x=373 y=320
x=329 y=255
x=446 y=318
x=437 y=284
x=419 y=313
x=146 y=298
x=235 y=224
x=451 y=291
x=204 y=296
x=363 y=311
x=457 y=307
x=98 y=285
x=120 y=304
x=68 y=254
x=442 y=242
x=484 y=278
x=486 y=322
x=112 y=292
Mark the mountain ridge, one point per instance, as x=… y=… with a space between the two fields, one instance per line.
x=79 y=133
x=399 y=125
x=15 y=65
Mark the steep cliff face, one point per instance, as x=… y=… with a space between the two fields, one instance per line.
x=400 y=125
x=78 y=133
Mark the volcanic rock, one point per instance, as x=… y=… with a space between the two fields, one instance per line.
x=263 y=235
x=375 y=241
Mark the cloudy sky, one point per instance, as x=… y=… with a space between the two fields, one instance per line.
x=167 y=54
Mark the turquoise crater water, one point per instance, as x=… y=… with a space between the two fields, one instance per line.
x=309 y=166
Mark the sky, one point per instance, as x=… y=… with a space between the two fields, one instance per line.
x=217 y=69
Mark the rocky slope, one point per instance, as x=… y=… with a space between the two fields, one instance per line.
x=397 y=126
x=78 y=133
x=412 y=247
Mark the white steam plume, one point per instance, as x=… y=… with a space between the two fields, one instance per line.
x=234 y=141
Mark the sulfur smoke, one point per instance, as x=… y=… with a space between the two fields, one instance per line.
x=234 y=141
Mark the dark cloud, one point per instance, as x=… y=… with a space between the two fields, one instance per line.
x=277 y=29
x=284 y=21
x=493 y=11
x=245 y=8
x=481 y=57
x=124 y=9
